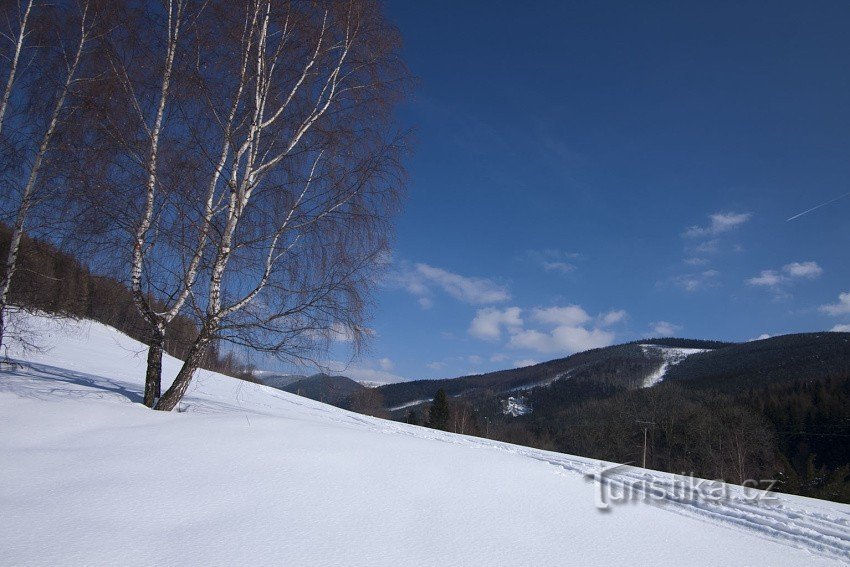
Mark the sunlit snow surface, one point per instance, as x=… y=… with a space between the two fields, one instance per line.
x=249 y=475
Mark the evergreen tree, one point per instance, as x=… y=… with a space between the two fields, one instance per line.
x=438 y=417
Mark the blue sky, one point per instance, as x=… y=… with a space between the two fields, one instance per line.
x=589 y=173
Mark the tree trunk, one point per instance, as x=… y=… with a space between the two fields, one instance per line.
x=153 y=376
x=175 y=393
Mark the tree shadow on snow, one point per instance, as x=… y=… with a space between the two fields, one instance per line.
x=33 y=380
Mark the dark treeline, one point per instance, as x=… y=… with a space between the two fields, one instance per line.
x=55 y=282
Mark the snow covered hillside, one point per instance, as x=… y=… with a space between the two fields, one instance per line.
x=669 y=356
x=251 y=475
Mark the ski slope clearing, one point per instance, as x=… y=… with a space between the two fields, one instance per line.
x=248 y=474
x=670 y=356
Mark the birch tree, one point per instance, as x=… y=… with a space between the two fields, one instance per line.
x=298 y=209
x=67 y=44
x=148 y=139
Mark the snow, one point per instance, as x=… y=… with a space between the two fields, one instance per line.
x=247 y=474
x=671 y=356
x=410 y=404
x=515 y=406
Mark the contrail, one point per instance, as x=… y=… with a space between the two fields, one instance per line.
x=819 y=206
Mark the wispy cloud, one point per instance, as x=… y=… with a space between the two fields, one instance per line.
x=554 y=260
x=696 y=281
x=719 y=223
x=559 y=267
x=779 y=280
x=421 y=280
x=809 y=270
x=664 y=329
x=766 y=278
x=570 y=315
x=840 y=308
x=708 y=247
x=366 y=370
x=841 y=329
x=612 y=317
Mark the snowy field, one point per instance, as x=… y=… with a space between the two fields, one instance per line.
x=248 y=475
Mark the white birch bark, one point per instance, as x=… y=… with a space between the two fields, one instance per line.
x=16 y=56
x=28 y=192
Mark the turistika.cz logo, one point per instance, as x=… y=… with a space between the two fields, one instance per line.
x=612 y=487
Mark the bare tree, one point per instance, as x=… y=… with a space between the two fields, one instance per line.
x=301 y=195
x=67 y=44
x=150 y=189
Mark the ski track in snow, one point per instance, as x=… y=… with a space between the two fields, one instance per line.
x=821 y=528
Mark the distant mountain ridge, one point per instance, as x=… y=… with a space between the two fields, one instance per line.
x=733 y=364
x=335 y=390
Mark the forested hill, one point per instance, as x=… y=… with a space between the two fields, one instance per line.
x=53 y=281
x=723 y=365
x=767 y=361
x=774 y=408
x=627 y=363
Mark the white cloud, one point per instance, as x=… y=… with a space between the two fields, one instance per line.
x=474 y=359
x=767 y=278
x=421 y=280
x=795 y=270
x=567 y=329
x=436 y=365
x=553 y=260
x=470 y=290
x=498 y=357
x=664 y=328
x=570 y=315
x=708 y=247
x=695 y=261
x=386 y=364
x=560 y=267
x=363 y=371
x=840 y=308
x=524 y=362
x=562 y=339
x=809 y=270
x=488 y=322
x=841 y=329
x=697 y=281
x=612 y=317
x=719 y=223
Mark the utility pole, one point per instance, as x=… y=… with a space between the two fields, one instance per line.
x=646 y=426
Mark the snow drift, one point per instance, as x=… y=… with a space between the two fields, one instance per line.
x=251 y=475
